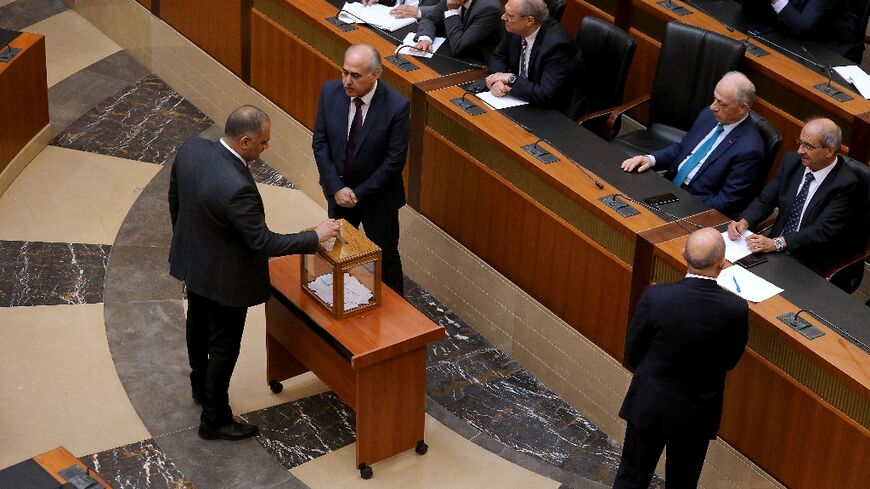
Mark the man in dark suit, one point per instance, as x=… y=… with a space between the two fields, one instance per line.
x=220 y=249
x=680 y=359
x=472 y=27
x=829 y=22
x=720 y=159
x=360 y=142
x=535 y=59
x=815 y=194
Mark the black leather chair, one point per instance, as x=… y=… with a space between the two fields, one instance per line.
x=772 y=141
x=848 y=273
x=556 y=8
x=861 y=9
x=691 y=62
x=607 y=52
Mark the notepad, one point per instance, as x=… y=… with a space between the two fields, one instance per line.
x=500 y=102
x=752 y=287
x=377 y=15
x=856 y=76
x=408 y=42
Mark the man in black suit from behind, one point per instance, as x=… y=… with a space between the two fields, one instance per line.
x=472 y=27
x=680 y=358
x=535 y=59
x=360 y=143
x=815 y=193
x=220 y=250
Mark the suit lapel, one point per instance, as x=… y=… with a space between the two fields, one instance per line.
x=725 y=145
x=342 y=108
x=371 y=116
x=533 y=58
x=233 y=160
x=822 y=191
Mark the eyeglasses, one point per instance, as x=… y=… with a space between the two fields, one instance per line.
x=805 y=145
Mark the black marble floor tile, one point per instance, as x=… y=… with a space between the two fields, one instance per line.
x=216 y=464
x=298 y=431
x=139 y=273
x=136 y=466
x=34 y=273
x=72 y=97
x=146 y=122
x=264 y=173
x=148 y=222
x=22 y=13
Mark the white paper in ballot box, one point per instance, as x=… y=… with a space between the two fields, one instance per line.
x=355 y=293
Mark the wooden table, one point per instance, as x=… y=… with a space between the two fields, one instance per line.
x=24 y=96
x=375 y=361
x=52 y=462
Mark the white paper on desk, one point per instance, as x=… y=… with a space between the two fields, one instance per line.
x=500 y=102
x=735 y=250
x=856 y=76
x=376 y=14
x=752 y=287
x=355 y=293
x=408 y=41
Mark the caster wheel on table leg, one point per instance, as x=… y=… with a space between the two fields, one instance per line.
x=421 y=448
x=365 y=471
x=275 y=386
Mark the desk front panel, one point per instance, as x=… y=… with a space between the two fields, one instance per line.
x=24 y=92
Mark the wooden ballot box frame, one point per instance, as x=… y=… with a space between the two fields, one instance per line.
x=374 y=361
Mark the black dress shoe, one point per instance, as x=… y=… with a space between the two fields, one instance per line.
x=232 y=431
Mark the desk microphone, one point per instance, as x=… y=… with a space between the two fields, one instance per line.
x=582 y=169
x=826 y=68
x=656 y=208
x=831 y=325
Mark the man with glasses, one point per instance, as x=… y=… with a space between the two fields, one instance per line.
x=814 y=192
x=719 y=160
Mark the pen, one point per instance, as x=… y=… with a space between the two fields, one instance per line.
x=735 y=283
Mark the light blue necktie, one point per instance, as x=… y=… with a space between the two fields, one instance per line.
x=699 y=154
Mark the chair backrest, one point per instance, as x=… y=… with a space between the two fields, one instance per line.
x=556 y=8
x=607 y=52
x=691 y=62
x=861 y=9
x=862 y=199
x=772 y=141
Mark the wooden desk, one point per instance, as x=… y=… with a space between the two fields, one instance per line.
x=376 y=361
x=54 y=461
x=24 y=96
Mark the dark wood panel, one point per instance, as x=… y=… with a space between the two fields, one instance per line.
x=561 y=268
x=220 y=27
x=24 y=92
x=286 y=70
x=146 y=3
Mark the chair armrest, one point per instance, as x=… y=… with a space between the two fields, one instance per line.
x=858 y=257
x=614 y=114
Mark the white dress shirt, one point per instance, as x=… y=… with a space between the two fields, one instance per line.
x=231 y=150
x=818 y=178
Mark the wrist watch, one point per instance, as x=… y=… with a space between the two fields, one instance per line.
x=511 y=80
x=779 y=244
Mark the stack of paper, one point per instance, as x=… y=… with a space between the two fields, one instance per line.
x=408 y=42
x=376 y=14
x=746 y=284
x=856 y=76
x=355 y=293
x=735 y=250
x=500 y=102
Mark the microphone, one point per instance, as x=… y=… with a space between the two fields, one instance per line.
x=826 y=69
x=342 y=25
x=841 y=331
x=656 y=208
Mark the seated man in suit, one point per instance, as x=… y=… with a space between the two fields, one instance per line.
x=829 y=22
x=680 y=360
x=406 y=9
x=472 y=27
x=815 y=194
x=720 y=159
x=535 y=59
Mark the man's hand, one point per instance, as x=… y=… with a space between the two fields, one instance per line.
x=736 y=228
x=327 y=229
x=758 y=243
x=640 y=163
x=368 y=2
x=498 y=84
x=424 y=45
x=345 y=197
x=404 y=12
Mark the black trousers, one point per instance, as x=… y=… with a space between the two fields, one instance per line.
x=383 y=230
x=214 y=338
x=641 y=452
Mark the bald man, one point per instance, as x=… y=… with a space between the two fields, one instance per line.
x=816 y=196
x=680 y=359
x=719 y=160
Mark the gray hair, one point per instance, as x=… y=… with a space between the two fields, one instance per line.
x=536 y=9
x=745 y=87
x=374 y=58
x=246 y=120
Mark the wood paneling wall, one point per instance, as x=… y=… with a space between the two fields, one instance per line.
x=24 y=92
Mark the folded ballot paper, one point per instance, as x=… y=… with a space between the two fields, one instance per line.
x=355 y=293
x=856 y=76
x=376 y=14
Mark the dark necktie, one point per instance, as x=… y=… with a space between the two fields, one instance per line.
x=352 y=136
x=699 y=154
x=523 y=65
x=793 y=220
x=462 y=12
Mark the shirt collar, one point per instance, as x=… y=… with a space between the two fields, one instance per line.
x=824 y=172
x=367 y=98
x=231 y=150
x=705 y=277
x=531 y=37
x=728 y=127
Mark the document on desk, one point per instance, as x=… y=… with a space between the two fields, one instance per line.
x=500 y=102
x=377 y=15
x=408 y=42
x=856 y=76
x=746 y=284
x=735 y=250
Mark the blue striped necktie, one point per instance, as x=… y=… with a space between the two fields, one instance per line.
x=699 y=154
x=793 y=220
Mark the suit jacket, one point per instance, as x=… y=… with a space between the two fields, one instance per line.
x=475 y=38
x=380 y=152
x=824 y=236
x=681 y=356
x=731 y=175
x=553 y=60
x=830 y=22
x=220 y=242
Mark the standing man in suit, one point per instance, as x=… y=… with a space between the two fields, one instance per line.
x=472 y=27
x=680 y=360
x=535 y=59
x=360 y=143
x=815 y=194
x=220 y=249
x=720 y=159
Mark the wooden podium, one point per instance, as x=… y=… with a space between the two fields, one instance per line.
x=374 y=361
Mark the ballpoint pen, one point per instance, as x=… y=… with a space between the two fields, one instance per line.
x=735 y=283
